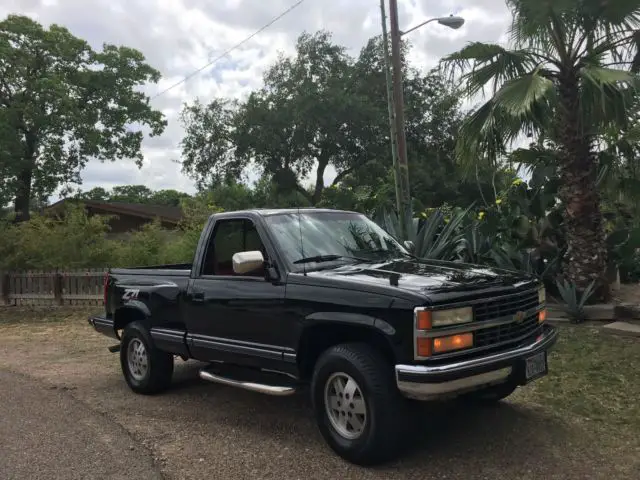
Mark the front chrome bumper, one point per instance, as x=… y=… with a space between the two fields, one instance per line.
x=426 y=382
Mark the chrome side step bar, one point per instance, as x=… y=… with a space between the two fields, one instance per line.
x=252 y=386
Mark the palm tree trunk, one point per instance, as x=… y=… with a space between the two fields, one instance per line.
x=586 y=256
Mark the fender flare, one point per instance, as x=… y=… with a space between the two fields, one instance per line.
x=133 y=306
x=352 y=319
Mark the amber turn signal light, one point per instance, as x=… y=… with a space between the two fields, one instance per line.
x=423 y=321
x=542 y=315
x=452 y=342
x=424 y=347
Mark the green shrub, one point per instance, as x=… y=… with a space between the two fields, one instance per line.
x=47 y=243
x=76 y=240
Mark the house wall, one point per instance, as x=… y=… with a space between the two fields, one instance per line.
x=126 y=223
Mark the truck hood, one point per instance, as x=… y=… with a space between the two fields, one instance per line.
x=426 y=277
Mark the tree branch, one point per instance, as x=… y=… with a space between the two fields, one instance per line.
x=341 y=175
x=317 y=191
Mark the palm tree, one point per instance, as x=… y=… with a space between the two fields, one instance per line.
x=568 y=74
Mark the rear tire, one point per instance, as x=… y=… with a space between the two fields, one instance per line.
x=357 y=405
x=146 y=369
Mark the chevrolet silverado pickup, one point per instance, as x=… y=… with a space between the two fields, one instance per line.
x=326 y=301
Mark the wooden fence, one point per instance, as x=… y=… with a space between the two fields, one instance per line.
x=57 y=287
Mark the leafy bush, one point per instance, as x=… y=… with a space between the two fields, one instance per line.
x=47 y=243
x=79 y=241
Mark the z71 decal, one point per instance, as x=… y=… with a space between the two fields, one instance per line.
x=130 y=294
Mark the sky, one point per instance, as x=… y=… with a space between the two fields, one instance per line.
x=178 y=37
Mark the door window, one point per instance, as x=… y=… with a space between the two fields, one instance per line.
x=230 y=237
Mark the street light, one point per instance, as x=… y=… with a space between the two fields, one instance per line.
x=395 y=98
x=451 y=21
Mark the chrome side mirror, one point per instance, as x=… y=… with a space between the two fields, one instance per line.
x=244 y=262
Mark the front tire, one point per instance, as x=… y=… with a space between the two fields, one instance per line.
x=146 y=369
x=358 y=407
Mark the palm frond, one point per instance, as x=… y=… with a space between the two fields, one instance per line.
x=604 y=76
x=518 y=96
x=486 y=63
x=606 y=95
x=489 y=131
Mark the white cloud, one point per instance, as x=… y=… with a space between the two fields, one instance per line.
x=180 y=36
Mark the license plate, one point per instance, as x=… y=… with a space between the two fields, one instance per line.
x=535 y=366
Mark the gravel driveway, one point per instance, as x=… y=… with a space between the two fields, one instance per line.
x=46 y=433
x=205 y=430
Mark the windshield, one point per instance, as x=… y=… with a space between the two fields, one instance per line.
x=332 y=236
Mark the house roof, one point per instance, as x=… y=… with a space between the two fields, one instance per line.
x=165 y=213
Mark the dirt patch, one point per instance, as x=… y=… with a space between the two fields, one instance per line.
x=579 y=422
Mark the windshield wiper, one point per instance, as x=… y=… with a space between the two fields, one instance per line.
x=319 y=258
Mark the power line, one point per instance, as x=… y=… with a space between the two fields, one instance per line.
x=227 y=52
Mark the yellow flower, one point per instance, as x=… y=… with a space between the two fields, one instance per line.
x=517 y=181
x=480 y=215
x=498 y=201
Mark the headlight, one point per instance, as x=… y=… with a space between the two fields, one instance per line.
x=454 y=316
x=542 y=295
x=542 y=299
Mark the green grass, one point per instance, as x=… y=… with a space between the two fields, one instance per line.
x=594 y=379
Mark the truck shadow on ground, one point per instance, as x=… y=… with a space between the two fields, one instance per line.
x=450 y=437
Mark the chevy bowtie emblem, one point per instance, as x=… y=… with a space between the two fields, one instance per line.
x=518 y=317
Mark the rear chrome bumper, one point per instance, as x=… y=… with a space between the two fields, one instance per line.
x=104 y=326
x=425 y=382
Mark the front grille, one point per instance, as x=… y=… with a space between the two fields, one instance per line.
x=507 y=332
x=501 y=307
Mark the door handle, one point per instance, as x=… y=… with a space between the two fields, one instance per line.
x=198 y=297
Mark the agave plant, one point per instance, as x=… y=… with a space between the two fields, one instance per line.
x=434 y=237
x=573 y=299
x=475 y=246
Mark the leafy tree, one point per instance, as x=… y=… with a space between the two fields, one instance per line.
x=168 y=197
x=208 y=147
x=565 y=78
x=322 y=108
x=230 y=195
x=130 y=194
x=134 y=194
x=62 y=103
x=97 y=194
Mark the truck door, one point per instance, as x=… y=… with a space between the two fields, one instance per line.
x=230 y=317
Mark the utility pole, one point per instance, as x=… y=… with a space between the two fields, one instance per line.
x=398 y=97
x=392 y=126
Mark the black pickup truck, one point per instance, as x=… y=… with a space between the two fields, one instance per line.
x=277 y=301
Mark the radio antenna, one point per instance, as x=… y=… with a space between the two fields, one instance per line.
x=304 y=268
